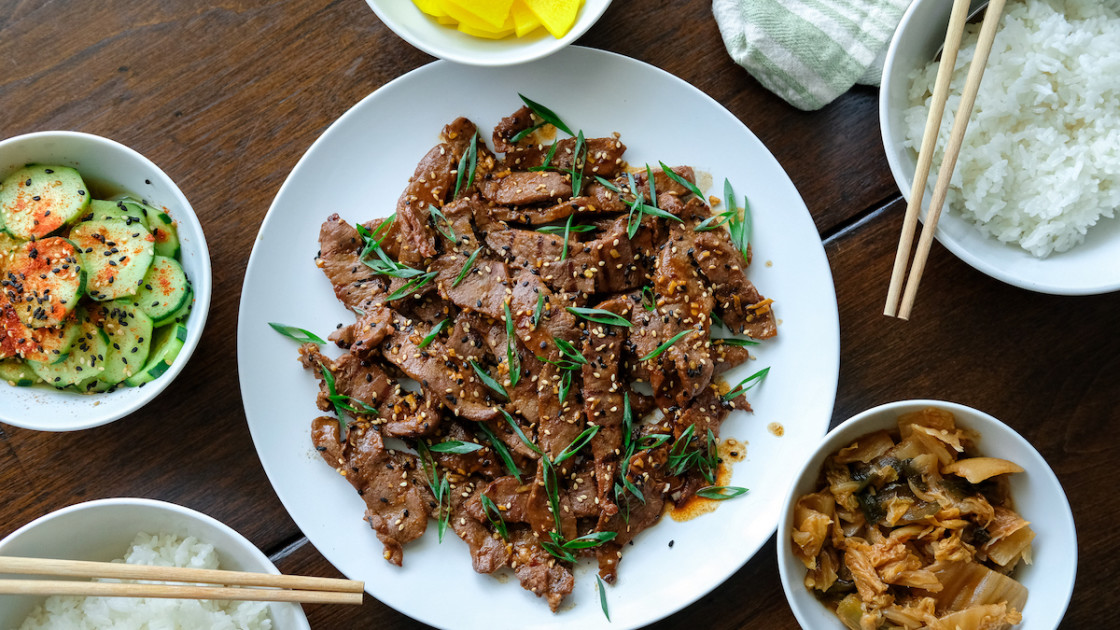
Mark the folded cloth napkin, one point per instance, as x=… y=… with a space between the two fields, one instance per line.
x=809 y=51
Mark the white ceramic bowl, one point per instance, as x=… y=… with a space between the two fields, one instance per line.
x=111 y=166
x=423 y=32
x=1038 y=497
x=1088 y=268
x=102 y=531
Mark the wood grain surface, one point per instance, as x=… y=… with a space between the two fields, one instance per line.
x=226 y=96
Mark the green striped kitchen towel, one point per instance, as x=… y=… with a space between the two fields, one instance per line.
x=809 y=51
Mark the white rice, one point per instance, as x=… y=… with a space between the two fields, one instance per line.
x=121 y=613
x=1040 y=163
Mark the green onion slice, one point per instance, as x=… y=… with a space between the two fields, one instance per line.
x=299 y=334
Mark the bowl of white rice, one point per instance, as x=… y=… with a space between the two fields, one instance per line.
x=1035 y=195
x=139 y=531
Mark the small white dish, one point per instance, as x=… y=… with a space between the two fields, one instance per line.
x=1037 y=495
x=423 y=32
x=102 y=531
x=112 y=167
x=1087 y=269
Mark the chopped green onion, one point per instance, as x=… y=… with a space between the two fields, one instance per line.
x=652 y=441
x=733 y=341
x=713 y=222
x=488 y=381
x=552 y=491
x=658 y=212
x=565 y=384
x=411 y=286
x=513 y=361
x=546 y=115
x=332 y=394
x=455 y=446
x=603 y=597
x=652 y=188
x=466 y=267
x=494 y=516
x=441 y=490
x=501 y=450
x=299 y=334
x=578 y=164
x=747 y=383
x=539 y=310
x=436 y=330
x=581 y=440
x=589 y=541
x=468 y=162
x=569 y=351
x=347 y=404
x=649 y=301
x=599 y=315
x=520 y=433
x=665 y=346
x=740 y=225
x=547 y=158
x=567 y=235
x=682 y=181
x=560 y=229
x=520 y=135
x=449 y=232
x=609 y=185
x=721 y=493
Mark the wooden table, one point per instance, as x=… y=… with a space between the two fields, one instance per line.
x=226 y=97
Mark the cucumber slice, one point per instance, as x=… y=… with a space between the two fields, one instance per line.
x=44 y=280
x=15 y=372
x=46 y=345
x=180 y=315
x=164 y=290
x=128 y=211
x=93 y=385
x=129 y=331
x=166 y=235
x=36 y=200
x=86 y=359
x=116 y=255
x=168 y=341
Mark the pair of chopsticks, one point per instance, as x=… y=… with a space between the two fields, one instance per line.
x=257 y=587
x=953 y=36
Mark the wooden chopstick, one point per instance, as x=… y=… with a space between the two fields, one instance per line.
x=258 y=586
x=953 y=35
x=952 y=151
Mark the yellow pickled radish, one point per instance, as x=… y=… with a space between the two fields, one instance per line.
x=431 y=7
x=496 y=19
x=557 y=16
x=524 y=20
x=491 y=15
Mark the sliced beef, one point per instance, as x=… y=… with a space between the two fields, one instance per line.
x=488 y=552
x=363 y=336
x=399 y=413
x=739 y=303
x=355 y=284
x=447 y=382
x=538 y=571
x=391 y=483
x=522 y=188
x=482 y=289
x=603 y=400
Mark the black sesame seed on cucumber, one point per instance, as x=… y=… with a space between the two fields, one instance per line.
x=38 y=200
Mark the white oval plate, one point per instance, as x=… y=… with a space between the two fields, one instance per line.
x=1089 y=268
x=358 y=169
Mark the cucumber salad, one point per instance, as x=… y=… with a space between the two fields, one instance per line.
x=92 y=293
